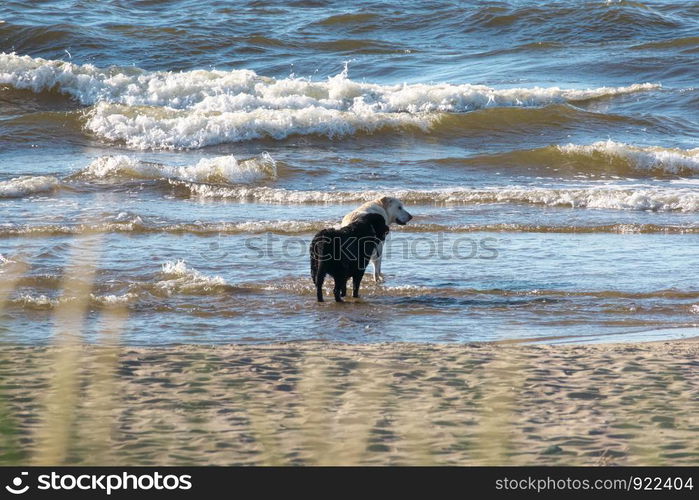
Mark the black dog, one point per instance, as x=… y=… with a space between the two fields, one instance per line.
x=344 y=253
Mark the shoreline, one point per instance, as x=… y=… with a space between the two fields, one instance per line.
x=374 y=404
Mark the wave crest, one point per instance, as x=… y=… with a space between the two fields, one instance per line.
x=611 y=197
x=652 y=158
x=145 y=128
x=221 y=169
x=244 y=90
x=27 y=185
x=299 y=227
x=192 y=109
x=177 y=277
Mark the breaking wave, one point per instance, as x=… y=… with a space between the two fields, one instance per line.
x=27 y=185
x=177 y=277
x=192 y=109
x=221 y=169
x=608 y=197
x=637 y=158
x=599 y=158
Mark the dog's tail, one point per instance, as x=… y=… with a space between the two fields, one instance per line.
x=314 y=261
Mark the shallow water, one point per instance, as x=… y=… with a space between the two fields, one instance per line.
x=548 y=151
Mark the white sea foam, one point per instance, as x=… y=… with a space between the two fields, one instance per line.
x=144 y=128
x=114 y=300
x=257 y=226
x=131 y=86
x=39 y=301
x=608 y=197
x=27 y=185
x=676 y=161
x=220 y=169
x=193 y=109
x=42 y=301
x=137 y=225
x=177 y=277
x=244 y=90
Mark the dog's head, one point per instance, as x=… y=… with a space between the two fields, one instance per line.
x=377 y=223
x=395 y=210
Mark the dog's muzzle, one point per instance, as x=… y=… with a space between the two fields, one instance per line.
x=404 y=222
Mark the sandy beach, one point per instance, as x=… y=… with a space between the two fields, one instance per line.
x=378 y=404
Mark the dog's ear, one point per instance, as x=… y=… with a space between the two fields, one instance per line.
x=385 y=202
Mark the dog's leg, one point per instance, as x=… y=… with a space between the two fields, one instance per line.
x=376 y=261
x=356 y=281
x=343 y=292
x=340 y=284
x=320 y=278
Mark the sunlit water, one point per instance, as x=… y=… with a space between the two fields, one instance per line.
x=549 y=152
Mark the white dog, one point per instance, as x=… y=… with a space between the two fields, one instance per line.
x=392 y=210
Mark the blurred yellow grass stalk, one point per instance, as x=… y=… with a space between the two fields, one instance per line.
x=338 y=431
x=12 y=271
x=53 y=436
x=501 y=384
x=336 y=426
x=102 y=395
x=356 y=412
x=647 y=447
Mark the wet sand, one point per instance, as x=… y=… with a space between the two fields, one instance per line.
x=325 y=403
